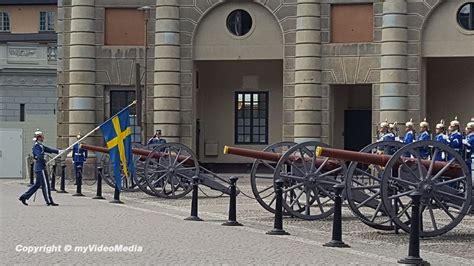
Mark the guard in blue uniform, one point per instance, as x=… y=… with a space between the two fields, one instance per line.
x=393 y=128
x=455 y=137
x=409 y=133
x=424 y=135
x=441 y=137
x=42 y=180
x=385 y=135
x=79 y=156
x=469 y=145
x=157 y=139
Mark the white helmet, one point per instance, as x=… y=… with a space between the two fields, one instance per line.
x=424 y=123
x=384 y=124
x=440 y=125
x=409 y=123
x=470 y=125
x=455 y=122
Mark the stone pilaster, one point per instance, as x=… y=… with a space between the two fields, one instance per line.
x=82 y=94
x=166 y=105
x=307 y=121
x=393 y=74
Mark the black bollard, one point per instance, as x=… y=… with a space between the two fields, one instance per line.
x=278 y=221
x=53 y=178
x=336 y=241
x=194 y=202
x=62 y=186
x=232 y=221
x=99 y=184
x=32 y=175
x=79 y=184
x=413 y=257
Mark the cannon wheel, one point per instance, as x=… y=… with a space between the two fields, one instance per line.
x=261 y=176
x=444 y=201
x=363 y=189
x=140 y=170
x=309 y=192
x=108 y=174
x=167 y=175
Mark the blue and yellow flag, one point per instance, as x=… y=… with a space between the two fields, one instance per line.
x=117 y=136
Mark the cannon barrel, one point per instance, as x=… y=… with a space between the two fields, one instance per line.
x=380 y=159
x=275 y=157
x=141 y=152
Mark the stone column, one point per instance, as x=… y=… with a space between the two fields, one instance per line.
x=166 y=104
x=82 y=68
x=307 y=123
x=393 y=74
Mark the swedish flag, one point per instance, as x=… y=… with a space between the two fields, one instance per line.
x=117 y=136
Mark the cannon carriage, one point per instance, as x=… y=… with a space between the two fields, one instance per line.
x=377 y=186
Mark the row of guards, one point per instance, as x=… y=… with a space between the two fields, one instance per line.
x=454 y=138
x=117 y=136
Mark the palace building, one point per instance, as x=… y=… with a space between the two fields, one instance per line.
x=251 y=73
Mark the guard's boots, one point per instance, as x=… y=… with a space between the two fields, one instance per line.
x=52 y=204
x=23 y=200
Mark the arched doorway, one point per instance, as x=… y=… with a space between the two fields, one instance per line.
x=238 y=80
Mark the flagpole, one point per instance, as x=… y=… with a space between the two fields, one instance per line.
x=90 y=133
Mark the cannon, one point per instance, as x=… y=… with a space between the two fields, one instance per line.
x=377 y=186
x=167 y=170
x=445 y=184
x=308 y=180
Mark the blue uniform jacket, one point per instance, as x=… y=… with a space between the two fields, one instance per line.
x=38 y=154
x=409 y=137
x=455 y=141
x=469 y=145
x=424 y=152
x=386 y=149
x=79 y=155
x=443 y=138
x=156 y=141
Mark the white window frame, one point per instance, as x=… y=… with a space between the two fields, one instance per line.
x=47 y=21
x=5 y=22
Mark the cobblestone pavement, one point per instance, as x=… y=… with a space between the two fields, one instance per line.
x=158 y=227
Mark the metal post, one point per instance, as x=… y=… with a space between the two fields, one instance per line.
x=194 y=202
x=336 y=241
x=413 y=257
x=232 y=221
x=32 y=175
x=53 y=178
x=79 y=183
x=278 y=221
x=99 y=184
x=63 y=179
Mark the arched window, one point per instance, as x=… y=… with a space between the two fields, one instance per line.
x=4 y=22
x=466 y=16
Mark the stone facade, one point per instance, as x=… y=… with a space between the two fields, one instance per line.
x=391 y=64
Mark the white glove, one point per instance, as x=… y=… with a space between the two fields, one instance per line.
x=464 y=141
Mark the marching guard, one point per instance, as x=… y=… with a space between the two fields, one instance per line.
x=441 y=137
x=409 y=132
x=469 y=145
x=42 y=180
x=424 y=135
x=79 y=156
x=385 y=135
x=455 y=137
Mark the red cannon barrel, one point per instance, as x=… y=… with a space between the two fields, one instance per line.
x=381 y=160
x=275 y=157
x=141 y=152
